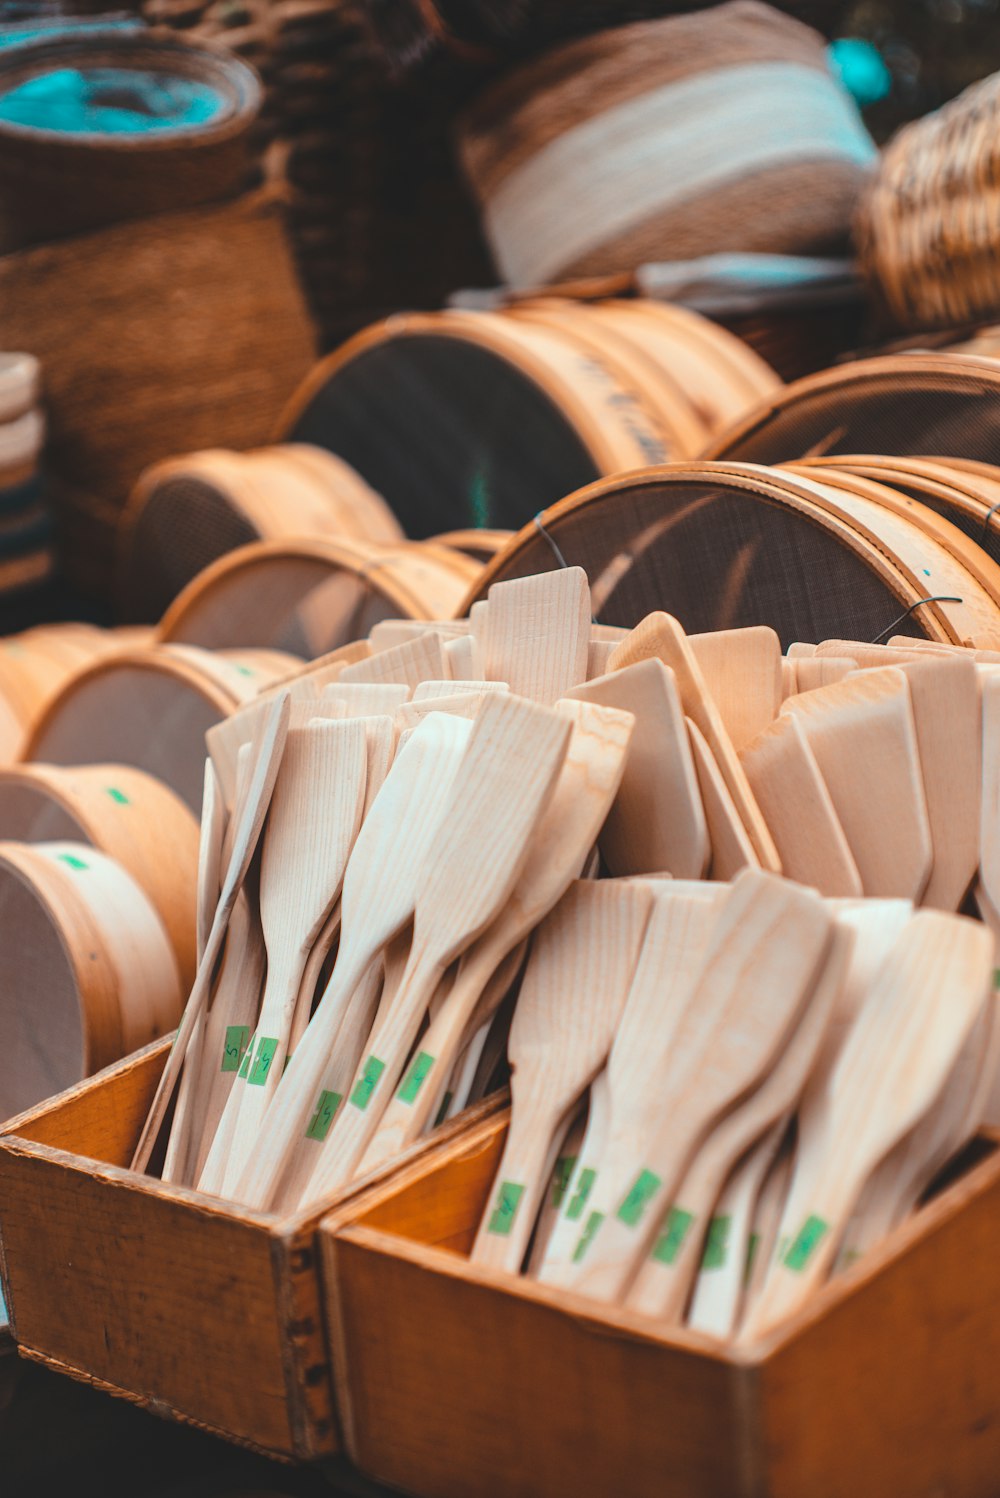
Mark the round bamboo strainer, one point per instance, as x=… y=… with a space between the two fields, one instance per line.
x=463 y=418
x=90 y=973
x=187 y=511
x=481 y=546
x=727 y=545
x=148 y=708
x=915 y=405
x=124 y=813
x=312 y=596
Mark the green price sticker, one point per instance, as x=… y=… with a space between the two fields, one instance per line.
x=117 y=795
x=326 y=1107
x=752 y=1248
x=717 y=1243
x=72 y=860
x=266 y=1047
x=644 y=1188
x=587 y=1236
x=367 y=1083
x=565 y=1166
x=807 y=1240
x=235 y=1047
x=420 y=1070
x=502 y=1218
x=583 y=1189
x=676 y=1226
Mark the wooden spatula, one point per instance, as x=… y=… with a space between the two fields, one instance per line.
x=367 y=698
x=681 y=919
x=248 y=819
x=457 y=1089
x=380 y=893
x=314 y=820
x=862 y=734
x=662 y=1285
x=792 y=794
x=568 y=828
x=539 y=631
x=571 y=997
x=763 y=957
x=657 y=821
x=893 y=1064
x=661 y=636
x=213 y=830
x=432 y=689
x=408 y=664
x=821 y=671
x=731 y=844
x=503 y=785
x=742 y=670
x=566 y=1230
x=463 y=657
x=554 y=1195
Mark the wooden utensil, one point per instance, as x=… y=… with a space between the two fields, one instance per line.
x=989 y=815
x=657 y=820
x=566 y=832
x=662 y=1285
x=539 y=633
x=458 y=1087
x=428 y=690
x=796 y=804
x=213 y=828
x=862 y=735
x=504 y=783
x=416 y=661
x=821 y=671
x=464 y=657
x=660 y=635
x=559 y=1245
x=731 y=844
x=269 y=743
x=571 y=998
x=742 y=671
x=313 y=822
x=903 y=1044
x=681 y=918
x=368 y=698
x=381 y=886
x=763 y=956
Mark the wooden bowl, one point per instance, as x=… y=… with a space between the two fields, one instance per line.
x=186 y=512
x=311 y=596
x=90 y=974
x=127 y=815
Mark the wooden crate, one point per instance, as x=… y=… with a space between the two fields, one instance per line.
x=452 y=1380
x=199 y=1310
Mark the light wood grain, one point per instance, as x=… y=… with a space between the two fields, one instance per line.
x=731 y=844
x=742 y=671
x=408 y=664
x=539 y=633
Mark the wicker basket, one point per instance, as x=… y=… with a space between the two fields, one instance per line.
x=928 y=230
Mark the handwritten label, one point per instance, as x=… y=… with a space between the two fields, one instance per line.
x=587 y=1236
x=326 y=1107
x=420 y=1070
x=266 y=1047
x=235 y=1046
x=367 y=1083
x=503 y=1214
x=676 y=1226
x=717 y=1243
x=644 y=1188
x=806 y=1241
x=584 y=1187
x=565 y=1166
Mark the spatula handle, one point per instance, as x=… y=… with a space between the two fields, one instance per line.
x=524 y=1172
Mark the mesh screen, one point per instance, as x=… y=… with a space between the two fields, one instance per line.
x=185 y=525
x=717 y=558
x=449 y=434
x=895 y=411
x=963 y=517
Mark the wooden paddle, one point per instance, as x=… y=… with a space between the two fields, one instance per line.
x=248 y=819
x=681 y=919
x=416 y=661
x=796 y=804
x=379 y=896
x=539 y=633
x=314 y=820
x=367 y=698
x=584 y=790
x=732 y=847
x=566 y=1229
x=503 y=785
x=742 y=671
x=862 y=734
x=657 y=821
x=463 y=657
x=821 y=671
x=571 y=997
x=663 y=1283
x=457 y=1089
x=431 y=689
x=764 y=953
x=893 y=1064
x=661 y=636
x=213 y=831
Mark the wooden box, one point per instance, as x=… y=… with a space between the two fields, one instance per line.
x=452 y=1380
x=199 y=1310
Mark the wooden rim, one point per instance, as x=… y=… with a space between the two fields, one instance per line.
x=479 y=545
x=770 y=484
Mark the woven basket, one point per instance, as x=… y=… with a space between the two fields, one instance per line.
x=928 y=231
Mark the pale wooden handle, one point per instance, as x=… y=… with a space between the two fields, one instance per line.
x=517 y=1191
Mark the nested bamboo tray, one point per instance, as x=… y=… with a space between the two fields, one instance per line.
x=194 y=1308
x=454 y=1380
